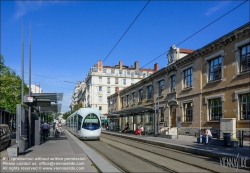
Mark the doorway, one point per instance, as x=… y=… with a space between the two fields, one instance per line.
x=173 y=116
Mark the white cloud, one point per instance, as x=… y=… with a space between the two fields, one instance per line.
x=216 y=8
x=24 y=7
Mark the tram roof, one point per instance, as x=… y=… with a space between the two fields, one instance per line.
x=136 y=109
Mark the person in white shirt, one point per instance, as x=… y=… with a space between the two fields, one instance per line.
x=141 y=129
x=56 y=130
x=207 y=134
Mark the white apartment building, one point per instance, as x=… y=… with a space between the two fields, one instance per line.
x=103 y=81
x=35 y=88
x=77 y=95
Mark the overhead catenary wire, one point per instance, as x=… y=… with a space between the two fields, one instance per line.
x=52 y=85
x=126 y=31
x=108 y=53
x=190 y=36
x=199 y=31
x=48 y=77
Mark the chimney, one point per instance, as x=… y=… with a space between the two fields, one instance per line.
x=120 y=65
x=156 y=67
x=137 y=65
x=116 y=89
x=100 y=65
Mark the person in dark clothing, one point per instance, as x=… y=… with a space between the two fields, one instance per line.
x=126 y=128
x=45 y=130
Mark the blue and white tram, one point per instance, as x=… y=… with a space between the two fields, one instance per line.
x=85 y=123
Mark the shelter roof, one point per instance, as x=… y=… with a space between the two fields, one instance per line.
x=43 y=101
x=136 y=109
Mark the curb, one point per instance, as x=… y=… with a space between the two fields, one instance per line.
x=102 y=164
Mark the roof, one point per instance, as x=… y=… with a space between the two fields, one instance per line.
x=131 y=110
x=52 y=97
x=186 y=50
x=43 y=101
x=129 y=68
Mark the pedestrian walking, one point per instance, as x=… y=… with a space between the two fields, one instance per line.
x=45 y=130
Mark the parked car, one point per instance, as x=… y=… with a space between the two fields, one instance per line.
x=5 y=136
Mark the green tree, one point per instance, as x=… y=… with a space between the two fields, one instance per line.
x=10 y=88
x=67 y=114
x=75 y=108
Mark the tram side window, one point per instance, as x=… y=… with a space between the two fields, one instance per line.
x=79 y=122
x=91 y=122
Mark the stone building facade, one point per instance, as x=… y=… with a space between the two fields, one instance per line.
x=196 y=90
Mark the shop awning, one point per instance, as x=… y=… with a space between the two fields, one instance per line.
x=104 y=120
x=136 y=109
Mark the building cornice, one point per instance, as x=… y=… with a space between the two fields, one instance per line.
x=215 y=45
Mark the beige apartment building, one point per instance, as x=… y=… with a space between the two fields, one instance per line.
x=197 y=89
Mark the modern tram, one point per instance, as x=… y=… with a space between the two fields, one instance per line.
x=85 y=123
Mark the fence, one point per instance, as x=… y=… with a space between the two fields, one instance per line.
x=243 y=135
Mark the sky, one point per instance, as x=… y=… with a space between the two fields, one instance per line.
x=69 y=37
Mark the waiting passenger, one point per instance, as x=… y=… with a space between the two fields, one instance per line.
x=126 y=128
x=207 y=135
x=141 y=129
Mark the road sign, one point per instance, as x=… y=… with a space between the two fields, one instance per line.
x=30 y=99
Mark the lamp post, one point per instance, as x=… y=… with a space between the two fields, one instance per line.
x=29 y=137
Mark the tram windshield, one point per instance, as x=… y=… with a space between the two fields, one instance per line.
x=91 y=122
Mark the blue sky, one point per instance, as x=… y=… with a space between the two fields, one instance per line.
x=70 y=37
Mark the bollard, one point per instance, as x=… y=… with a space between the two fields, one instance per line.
x=242 y=137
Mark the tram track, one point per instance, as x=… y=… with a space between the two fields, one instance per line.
x=151 y=151
x=137 y=160
x=125 y=168
x=161 y=159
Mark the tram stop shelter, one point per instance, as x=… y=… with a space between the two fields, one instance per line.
x=133 y=116
x=41 y=105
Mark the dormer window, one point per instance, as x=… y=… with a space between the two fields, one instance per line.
x=171 y=54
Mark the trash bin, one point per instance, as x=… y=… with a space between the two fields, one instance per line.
x=227 y=139
x=22 y=144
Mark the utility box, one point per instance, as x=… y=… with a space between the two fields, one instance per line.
x=228 y=125
x=22 y=143
x=227 y=139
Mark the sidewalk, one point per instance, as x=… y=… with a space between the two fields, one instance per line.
x=189 y=144
x=64 y=154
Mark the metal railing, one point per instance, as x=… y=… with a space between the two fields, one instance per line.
x=243 y=135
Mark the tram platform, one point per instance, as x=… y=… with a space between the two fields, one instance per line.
x=189 y=144
x=64 y=154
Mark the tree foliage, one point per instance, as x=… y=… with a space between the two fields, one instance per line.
x=75 y=108
x=10 y=87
